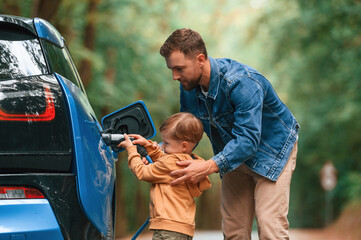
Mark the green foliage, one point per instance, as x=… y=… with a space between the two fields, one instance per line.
x=132 y=68
x=353 y=189
x=315 y=46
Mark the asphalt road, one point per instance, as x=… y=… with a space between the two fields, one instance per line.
x=199 y=235
x=295 y=234
x=215 y=235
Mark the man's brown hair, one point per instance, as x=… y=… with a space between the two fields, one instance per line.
x=185 y=40
x=183 y=126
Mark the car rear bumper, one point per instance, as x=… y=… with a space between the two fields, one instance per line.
x=60 y=191
x=30 y=219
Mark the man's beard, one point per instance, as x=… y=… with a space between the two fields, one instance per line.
x=192 y=84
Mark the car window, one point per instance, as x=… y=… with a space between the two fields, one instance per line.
x=60 y=62
x=20 y=54
x=80 y=83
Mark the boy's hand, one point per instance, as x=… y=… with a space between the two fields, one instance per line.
x=145 y=161
x=156 y=146
x=126 y=143
x=138 y=139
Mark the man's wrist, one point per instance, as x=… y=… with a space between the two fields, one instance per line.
x=213 y=166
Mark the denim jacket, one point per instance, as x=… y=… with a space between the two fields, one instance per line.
x=244 y=119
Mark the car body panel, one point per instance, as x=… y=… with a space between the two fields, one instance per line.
x=30 y=219
x=47 y=31
x=60 y=189
x=94 y=160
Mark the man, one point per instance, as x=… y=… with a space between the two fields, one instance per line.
x=253 y=135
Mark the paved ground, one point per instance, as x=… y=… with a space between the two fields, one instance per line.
x=347 y=227
x=295 y=234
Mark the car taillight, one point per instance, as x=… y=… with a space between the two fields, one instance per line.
x=47 y=115
x=19 y=193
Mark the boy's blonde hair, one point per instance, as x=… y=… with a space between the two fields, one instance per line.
x=183 y=126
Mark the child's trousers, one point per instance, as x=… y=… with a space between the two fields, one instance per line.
x=169 y=235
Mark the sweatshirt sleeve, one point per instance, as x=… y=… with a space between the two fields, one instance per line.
x=158 y=172
x=197 y=189
x=153 y=152
x=204 y=184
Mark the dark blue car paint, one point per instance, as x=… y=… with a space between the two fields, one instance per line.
x=30 y=219
x=45 y=30
x=94 y=161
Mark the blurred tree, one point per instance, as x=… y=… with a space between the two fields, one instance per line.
x=45 y=9
x=11 y=7
x=85 y=66
x=314 y=51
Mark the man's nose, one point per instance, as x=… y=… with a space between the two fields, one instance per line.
x=175 y=75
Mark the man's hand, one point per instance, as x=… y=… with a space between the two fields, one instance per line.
x=194 y=172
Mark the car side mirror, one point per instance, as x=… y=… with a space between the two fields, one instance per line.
x=132 y=119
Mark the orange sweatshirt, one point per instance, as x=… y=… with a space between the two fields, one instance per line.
x=172 y=208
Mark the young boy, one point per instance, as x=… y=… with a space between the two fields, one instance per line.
x=172 y=209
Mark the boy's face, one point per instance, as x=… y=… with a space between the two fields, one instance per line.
x=172 y=146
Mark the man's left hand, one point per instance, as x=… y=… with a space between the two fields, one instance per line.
x=194 y=172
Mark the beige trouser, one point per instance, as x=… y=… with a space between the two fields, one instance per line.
x=246 y=194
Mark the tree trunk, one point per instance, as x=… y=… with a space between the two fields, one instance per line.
x=142 y=206
x=111 y=55
x=85 y=69
x=121 y=222
x=45 y=9
x=11 y=7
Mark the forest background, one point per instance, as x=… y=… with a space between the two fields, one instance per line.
x=309 y=50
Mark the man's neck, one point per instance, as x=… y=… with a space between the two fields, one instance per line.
x=206 y=76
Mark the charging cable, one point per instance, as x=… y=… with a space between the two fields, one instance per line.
x=141 y=150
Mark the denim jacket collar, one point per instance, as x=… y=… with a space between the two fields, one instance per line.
x=213 y=81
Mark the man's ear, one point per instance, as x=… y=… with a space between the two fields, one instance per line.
x=201 y=59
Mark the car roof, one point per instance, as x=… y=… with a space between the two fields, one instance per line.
x=37 y=26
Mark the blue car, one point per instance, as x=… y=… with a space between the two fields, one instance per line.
x=57 y=162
